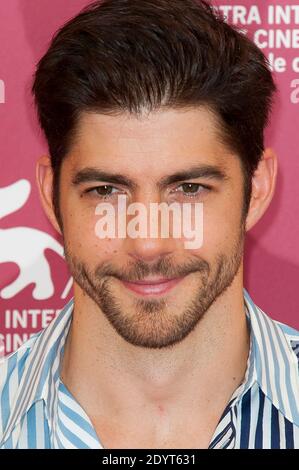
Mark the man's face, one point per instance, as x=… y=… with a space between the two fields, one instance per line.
x=144 y=152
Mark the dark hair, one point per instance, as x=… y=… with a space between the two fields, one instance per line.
x=131 y=55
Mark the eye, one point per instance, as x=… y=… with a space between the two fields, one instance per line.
x=192 y=189
x=104 y=191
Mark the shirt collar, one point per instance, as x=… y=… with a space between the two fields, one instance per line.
x=41 y=371
x=274 y=365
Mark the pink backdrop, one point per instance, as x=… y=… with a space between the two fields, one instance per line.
x=34 y=282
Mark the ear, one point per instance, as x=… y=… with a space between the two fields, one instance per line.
x=44 y=179
x=263 y=187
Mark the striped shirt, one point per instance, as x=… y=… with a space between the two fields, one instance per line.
x=38 y=411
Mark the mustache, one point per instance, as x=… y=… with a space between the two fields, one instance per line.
x=162 y=268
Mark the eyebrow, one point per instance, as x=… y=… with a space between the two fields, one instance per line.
x=210 y=172
x=92 y=174
x=88 y=175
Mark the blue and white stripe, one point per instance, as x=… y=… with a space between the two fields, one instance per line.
x=37 y=411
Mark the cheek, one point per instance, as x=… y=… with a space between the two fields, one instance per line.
x=221 y=225
x=81 y=238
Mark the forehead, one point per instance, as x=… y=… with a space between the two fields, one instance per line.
x=165 y=139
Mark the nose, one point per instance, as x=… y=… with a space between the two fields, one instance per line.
x=153 y=246
x=148 y=250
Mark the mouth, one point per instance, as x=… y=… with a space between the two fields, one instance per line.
x=152 y=286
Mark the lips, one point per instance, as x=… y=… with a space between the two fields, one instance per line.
x=152 y=287
x=152 y=281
